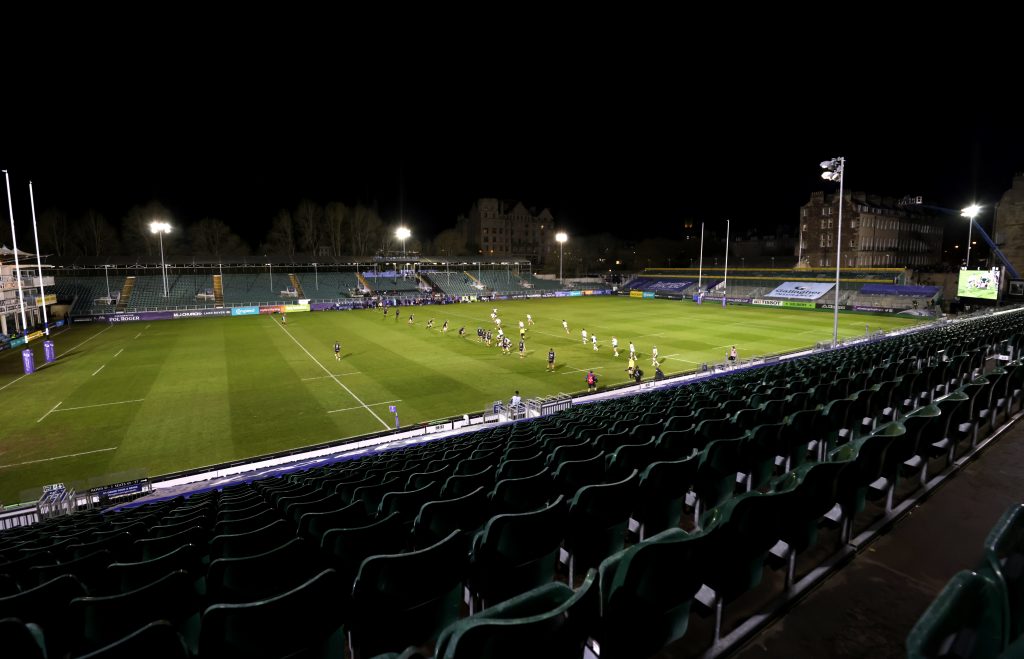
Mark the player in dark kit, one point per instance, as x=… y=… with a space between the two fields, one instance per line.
x=551 y=359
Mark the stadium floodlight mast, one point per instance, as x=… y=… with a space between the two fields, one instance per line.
x=561 y=237
x=834 y=172
x=17 y=265
x=402 y=233
x=160 y=228
x=725 y=280
x=970 y=213
x=700 y=262
x=39 y=261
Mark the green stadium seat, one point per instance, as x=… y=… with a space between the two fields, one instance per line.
x=419 y=479
x=100 y=621
x=661 y=494
x=462 y=484
x=301 y=622
x=521 y=495
x=551 y=620
x=597 y=519
x=259 y=519
x=514 y=553
x=965 y=620
x=150 y=548
x=261 y=576
x=437 y=519
x=91 y=570
x=312 y=526
x=646 y=594
x=629 y=457
x=571 y=475
x=407 y=599
x=346 y=548
x=157 y=640
x=407 y=504
x=1004 y=555
x=125 y=577
x=240 y=545
x=520 y=468
x=20 y=640
x=47 y=606
x=18 y=568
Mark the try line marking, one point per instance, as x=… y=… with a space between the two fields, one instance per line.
x=346 y=409
x=331 y=375
x=98 y=370
x=84 y=407
x=59 y=457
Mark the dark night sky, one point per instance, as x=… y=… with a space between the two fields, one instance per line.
x=631 y=145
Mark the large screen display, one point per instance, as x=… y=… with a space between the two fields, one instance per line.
x=982 y=284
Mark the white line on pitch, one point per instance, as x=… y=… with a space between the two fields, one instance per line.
x=584 y=370
x=82 y=407
x=50 y=412
x=119 y=352
x=321 y=377
x=89 y=339
x=59 y=457
x=12 y=382
x=98 y=370
x=346 y=409
x=677 y=359
x=333 y=377
x=146 y=327
x=138 y=335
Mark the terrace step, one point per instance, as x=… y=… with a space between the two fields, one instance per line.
x=362 y=281
x=218 y=290
x=296 y=285
x=126 y=293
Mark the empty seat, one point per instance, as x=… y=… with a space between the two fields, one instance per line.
x=91 y=570
x=407 y=599
x=549 y=621
x=661 y=494
x=312 y=526
x=965 y=620
x=125 y=577
x=597 y=519
x=20 y=640
x=252 y=578
x=520 y=495
x=437 y=519
x=157 y=640
x=300 y=620
x=239 y=545
x=46 y=605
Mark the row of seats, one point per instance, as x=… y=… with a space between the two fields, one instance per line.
x=980 y=612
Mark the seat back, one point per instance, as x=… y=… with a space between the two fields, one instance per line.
x=437 y=519
x=966 y=619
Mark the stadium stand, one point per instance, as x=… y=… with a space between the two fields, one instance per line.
x=86 y=293
x=327 y=285
x=452 y=283
x=727 y=478
x=391 y=282
x=182 y=290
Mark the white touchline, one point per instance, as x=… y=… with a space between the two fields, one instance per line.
x=346 y=409
x=333 y=377
x=119 y=352
x=89 y=339
x=98 y=370
x=322 y=377
x=138 y=335
x=59 y=457
x=83 y=407
x=50 y=412
x=583 y=370
x=12 y=382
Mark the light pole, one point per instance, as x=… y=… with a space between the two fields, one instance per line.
x=160 y=228
x=700 y=262
x=316 y=277
x=970 y=213
x=402 y=233
x=834 y=172
x=270 y=267
x=725 y=280
x=561 y=237
x=106 y=275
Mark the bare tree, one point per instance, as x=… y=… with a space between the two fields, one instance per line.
x=281 y=239
x=213 y=237
x=55 y=232
x=135 y=228
x=308 y=217
x=95 y=234
x=337 y=216
x=366 y=229
x=450 y=242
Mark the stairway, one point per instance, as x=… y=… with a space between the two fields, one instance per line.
x=475 y=280
x=362 y=282
x=296 y=285
x=126 y=294
x=428 y=283
x=218 y=290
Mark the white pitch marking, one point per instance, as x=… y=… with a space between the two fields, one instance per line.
x=119 y=352
x=89 y=339
x=50 y=412
x=346 y=409
x=82 y=407
x=322 y=377
x=333 y=377
x=98 y=370
x=138 y=335
x=146 y=327
x=12 y=382
x=59 y=457
x=584 y=370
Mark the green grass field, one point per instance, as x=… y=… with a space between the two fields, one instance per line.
x=147 y=399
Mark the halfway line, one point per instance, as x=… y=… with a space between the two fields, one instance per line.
x=50 y=412
x=321 y=377
x=333 y=377
x=59 y=457
x=82 y=407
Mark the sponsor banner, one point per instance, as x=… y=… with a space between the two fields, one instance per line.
x=200 y=313
x=588 y=292
x=636 y=294
x=648 y=294
x=798 y=305
x=881 y=309
x=82 y=319
x=294 y=308
x=801 y=290
x=842 y=307
x=734 y=300
x=276 y=308
x=575 y=293
x=244 y=311
x=767 y=303
x=33 y=336
x=20 y=341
